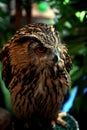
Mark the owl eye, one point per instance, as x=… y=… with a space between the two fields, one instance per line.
x=41 y=49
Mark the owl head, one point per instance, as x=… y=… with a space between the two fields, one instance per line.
x=37 y=47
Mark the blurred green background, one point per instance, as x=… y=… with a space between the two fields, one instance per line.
x=70 y=19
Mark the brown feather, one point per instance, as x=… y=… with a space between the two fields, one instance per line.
x=36 y=69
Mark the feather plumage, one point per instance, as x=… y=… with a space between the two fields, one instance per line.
x=36 y=69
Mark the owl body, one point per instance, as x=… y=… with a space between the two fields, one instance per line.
x=36 y=69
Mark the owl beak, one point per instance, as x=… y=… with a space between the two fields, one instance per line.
x=56 y=57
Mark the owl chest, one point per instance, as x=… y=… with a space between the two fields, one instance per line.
x=48 y=95
x=44 y=97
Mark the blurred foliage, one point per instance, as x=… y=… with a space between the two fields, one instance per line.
x=72 y=29
x=6 y=31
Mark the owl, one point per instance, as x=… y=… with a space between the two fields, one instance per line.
x=36 y=67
